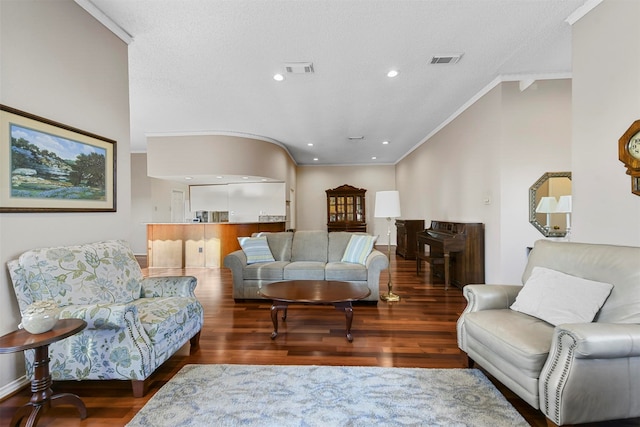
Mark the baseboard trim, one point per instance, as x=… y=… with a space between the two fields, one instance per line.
x=13 y=387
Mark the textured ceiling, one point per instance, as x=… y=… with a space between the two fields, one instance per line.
x=207 y=66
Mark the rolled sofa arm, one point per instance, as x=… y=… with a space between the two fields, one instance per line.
x=169 y=286
x=100 y=316
x=237 y=261
x=375 y=263
x=591 y=373
x=489 y=297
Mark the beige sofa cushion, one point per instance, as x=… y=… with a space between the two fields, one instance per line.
x=345 y=271
x=521 y=340
x=304 y=270
x=265 y=271
x=310 y=246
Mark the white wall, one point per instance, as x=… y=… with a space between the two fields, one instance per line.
x=606 y=100
x=311 y=198
x=248 y=201
x=536 y=138
x=57 y=62
x=495 y=150
x=141 y=203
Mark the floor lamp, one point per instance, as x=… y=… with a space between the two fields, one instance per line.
x=388 y=206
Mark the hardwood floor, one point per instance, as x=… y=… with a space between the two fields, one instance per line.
x=418 y=331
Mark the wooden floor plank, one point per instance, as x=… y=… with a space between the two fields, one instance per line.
x=418 y=331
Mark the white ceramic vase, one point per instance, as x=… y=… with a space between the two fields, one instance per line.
x=40 y=316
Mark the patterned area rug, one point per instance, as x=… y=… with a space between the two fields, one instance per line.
x=256 y=395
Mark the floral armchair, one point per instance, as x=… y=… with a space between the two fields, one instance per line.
x=134 y=323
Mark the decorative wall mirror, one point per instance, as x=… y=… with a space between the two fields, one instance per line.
x=550 y=204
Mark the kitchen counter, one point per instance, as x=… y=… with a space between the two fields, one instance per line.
x=198 y=244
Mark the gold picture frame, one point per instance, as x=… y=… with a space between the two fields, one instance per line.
x=46 y=166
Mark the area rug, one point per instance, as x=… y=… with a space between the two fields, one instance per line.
x=257 y=395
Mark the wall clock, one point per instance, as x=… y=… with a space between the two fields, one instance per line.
x=629 y=154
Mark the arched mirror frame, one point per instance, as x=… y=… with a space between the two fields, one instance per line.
x=533 y=193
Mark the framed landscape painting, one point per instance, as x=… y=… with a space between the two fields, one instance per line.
x=50 y=167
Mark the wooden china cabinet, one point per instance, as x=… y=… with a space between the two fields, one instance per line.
x=346 y=209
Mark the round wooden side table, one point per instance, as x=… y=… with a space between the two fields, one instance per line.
x=42 y=398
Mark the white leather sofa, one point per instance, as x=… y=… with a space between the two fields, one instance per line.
x=573 y=372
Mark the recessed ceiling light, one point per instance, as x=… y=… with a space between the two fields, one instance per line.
x=315 y=159
x=310 y=144
x=373 y=158
x=393 y=73
x=385 y=142
x=278 y=77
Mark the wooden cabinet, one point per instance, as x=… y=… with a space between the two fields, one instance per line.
x=346 y=209
x=406 y=230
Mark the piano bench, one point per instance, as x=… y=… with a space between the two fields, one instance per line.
x=432 y=260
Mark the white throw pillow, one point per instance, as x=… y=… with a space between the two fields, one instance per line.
x=557 y=298
x=358 y=249
x=256 y=249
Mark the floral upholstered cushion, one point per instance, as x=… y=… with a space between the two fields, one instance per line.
x=168 y=321
x=103 y=272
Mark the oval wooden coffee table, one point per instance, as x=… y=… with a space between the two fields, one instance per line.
x=340 y=294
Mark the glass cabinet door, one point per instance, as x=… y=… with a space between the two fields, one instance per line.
x=346 y=209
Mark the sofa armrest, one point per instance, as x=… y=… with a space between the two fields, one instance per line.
x=377 y=261
x=489 y=297
x=168 y=286
x=99 y=316
x=597 y=363
x=236 y=261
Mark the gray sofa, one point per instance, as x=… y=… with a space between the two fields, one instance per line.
x=304 y=255
x=573 y=372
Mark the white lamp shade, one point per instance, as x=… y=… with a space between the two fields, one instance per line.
x=387 y=204
x=547 y=205
x=564 y=204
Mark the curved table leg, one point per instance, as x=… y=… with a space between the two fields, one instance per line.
x=277 y=305
x=348 y=312
x=31 y=411
x=70 y=399
x=43 y=398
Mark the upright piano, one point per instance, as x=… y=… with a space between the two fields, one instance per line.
x=455 y=252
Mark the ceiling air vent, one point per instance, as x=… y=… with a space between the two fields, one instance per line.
x=446 y=59
x=299 y=67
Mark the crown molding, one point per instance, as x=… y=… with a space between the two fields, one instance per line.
x=582 y=11
x=495 y=82
x=99 y=15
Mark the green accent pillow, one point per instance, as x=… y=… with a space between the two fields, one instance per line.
x=256 y=249
x=358 y=249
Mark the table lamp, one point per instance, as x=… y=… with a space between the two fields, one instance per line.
x=547 y=206
x=564 y=206
x=388 y=206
